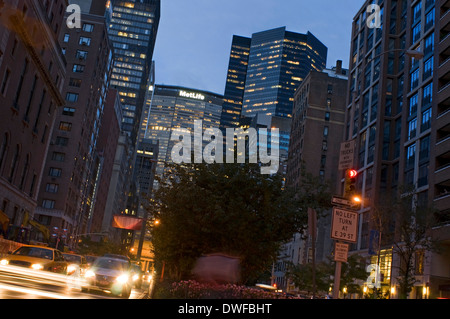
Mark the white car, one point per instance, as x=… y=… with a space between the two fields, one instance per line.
x=109 y=274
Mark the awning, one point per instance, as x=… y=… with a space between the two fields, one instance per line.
x=127 y=222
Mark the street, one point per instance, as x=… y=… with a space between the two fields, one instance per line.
x=23 y=283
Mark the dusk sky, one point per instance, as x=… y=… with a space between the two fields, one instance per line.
x=194 y=37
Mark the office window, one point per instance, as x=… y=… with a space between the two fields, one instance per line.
x=69 y=111
x=426 y=120
x=75 y=82
x=61 y=141
x=55 y=172
x=77 y=68
x=65 y=126
x=429 y=44
x=52 y=188
x=413 y=104
x=410 y=155
x=417 y=12
x=412 y=128
x=81 y=55
x=88 y=27
x=85 y=41
x=429 y=19
x=66 y=38
x=428 y=68
x=416 y=32
x=424 y=153
x=48 y=204
x=59 y=157
x=414 y=79
x=71 y=97
x=427 y=95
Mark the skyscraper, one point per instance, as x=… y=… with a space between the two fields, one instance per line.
x=235 y=86
x=32 y=73
x=133 y=27
x=279 y=60
x=397 y=112
x=178 y=107
x=67 y=193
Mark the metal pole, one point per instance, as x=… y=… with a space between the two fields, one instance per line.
x=337 y=280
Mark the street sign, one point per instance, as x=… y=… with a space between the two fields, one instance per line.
x=341 y=252
x=344 y=225
x=346 y=157
x=336 y=200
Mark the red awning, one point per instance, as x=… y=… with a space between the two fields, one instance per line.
x=127 y=222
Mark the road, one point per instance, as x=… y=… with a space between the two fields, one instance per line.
x=23 y=283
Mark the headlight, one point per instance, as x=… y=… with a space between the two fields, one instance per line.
x=122 y=279
x=4 y=262
x=135 y=277
x=71 y=269
x=37 y=266
x=89 y=274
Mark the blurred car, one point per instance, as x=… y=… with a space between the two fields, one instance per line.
x=137 y=276
x=117 y=256
x=77 y=263
x=38 y=258
x=110 y=274
x=90 y=259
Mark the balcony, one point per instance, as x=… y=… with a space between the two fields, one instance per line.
x=442 y=122
x=442 y=201
x=444 y=67
x=444 y=90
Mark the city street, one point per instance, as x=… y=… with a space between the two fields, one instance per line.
x=21 y=283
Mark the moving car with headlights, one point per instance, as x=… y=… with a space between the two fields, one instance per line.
x=38 y=258
x=77 y=263
x=109 y=274
x=137 y=276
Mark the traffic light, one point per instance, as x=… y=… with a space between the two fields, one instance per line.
x=350 y=183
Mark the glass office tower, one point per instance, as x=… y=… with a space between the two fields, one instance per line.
x=178 y=107
x=132 y=30
x=235 y=86
x=279 y=60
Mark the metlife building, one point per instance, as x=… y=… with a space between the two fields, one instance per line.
x=175 y=107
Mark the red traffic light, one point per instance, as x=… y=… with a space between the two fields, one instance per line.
x=352 y=173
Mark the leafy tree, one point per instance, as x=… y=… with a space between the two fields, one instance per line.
x=230 y=209
x=301 y=276
x=405 y=224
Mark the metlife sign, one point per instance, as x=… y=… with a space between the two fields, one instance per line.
x=192 y=95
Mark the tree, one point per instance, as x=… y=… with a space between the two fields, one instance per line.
x=354 y=269
x=413 y=223
x=301 y=276
x=405 y=224
x=230 y=209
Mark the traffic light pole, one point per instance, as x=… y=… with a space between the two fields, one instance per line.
x=349 y=188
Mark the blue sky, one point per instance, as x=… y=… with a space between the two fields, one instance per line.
x=194 y=37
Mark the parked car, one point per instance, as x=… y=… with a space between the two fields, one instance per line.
x=77 y=263
x=38 y=258
x=109 y=274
